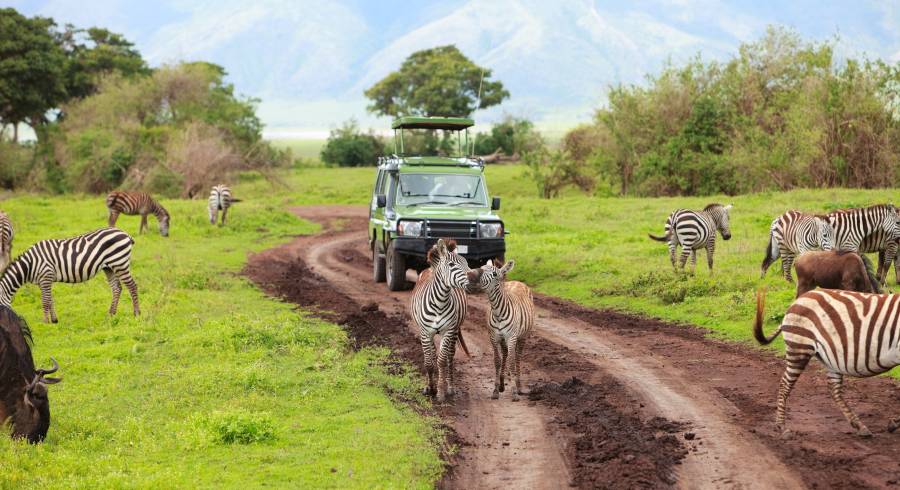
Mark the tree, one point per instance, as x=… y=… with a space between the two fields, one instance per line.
x=32 y=68
x=435 y=82
x=93 y=53
x=347 y=146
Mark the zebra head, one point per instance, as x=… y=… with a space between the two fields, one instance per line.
x=825 y=234
x=720 y=216
x=447 y=266
x=489 y=276
x=892 y=222
x=163 y=224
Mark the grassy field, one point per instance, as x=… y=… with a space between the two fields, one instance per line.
x=595 y=251
x=301 y=148
x=216 y=385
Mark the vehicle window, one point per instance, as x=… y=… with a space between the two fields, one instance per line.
x=432 y=142
x=379 y=180
x=452 y=189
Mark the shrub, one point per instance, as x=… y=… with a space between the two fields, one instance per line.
x=552 y=171
x=16 y=163
x=347 y=146
x=239 y=428
x=511 y=137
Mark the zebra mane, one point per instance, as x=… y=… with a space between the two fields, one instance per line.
x=451 y=246
x=710 y=207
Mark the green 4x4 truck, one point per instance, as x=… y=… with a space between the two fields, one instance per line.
x=430 y=188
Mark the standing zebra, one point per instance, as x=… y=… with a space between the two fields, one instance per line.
x=73 y=260
x=6 y=239
x=511 y=319
x=850 y=333
x=792 y=234
x=693 y=230
x=867 y=230
x=132 y=203
x=438 y=306
x=220 y=199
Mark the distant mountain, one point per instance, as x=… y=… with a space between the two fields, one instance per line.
x=309 y=61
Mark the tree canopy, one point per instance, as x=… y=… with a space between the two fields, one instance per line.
x=435 y=82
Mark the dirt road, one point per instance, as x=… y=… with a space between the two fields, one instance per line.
x=617 y=401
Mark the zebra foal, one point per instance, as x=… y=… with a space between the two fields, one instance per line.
x=511 y=319
x=438 y=307
x=693 y=230
x=132 y=203
x=6 y=239
x=850 y=333
x=867 y=230
x=220 y=199
x=73 y=260
x=792 y=234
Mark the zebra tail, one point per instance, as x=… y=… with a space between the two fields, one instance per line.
x=870 y=271
x=758 y=324
x=462 y=343
x=234 y=199
x=771 y=255
x=664 y=238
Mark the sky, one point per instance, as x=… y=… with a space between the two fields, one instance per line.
x=309 y=61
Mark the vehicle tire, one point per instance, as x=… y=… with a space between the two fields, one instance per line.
x=396 y=269
x=377 y=265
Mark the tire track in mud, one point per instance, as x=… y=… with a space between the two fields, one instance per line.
x=636 y=380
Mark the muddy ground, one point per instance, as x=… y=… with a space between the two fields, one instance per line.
x=616 y=400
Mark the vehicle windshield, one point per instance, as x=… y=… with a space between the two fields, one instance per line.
x=432 y=142
x=441 y=189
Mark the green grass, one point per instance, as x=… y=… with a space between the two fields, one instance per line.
x=595 y=251
x=302 y=148
x=216 y=385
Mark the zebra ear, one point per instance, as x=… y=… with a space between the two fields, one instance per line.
x=507 y=267
x=728 y=207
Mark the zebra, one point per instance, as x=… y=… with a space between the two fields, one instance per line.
x=438 y=307
x=866 y=230
x=6 y=240
x=220 y=198
x=792 y=234
x=851 y=333
x=511 y=319
x=132 y=203
x=73 y=260
x=693 y=230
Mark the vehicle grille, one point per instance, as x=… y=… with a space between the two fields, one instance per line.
x=451 y=229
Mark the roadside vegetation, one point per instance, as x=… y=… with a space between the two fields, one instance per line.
x=215 y=380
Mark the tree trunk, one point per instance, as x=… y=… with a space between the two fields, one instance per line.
x=15 y=132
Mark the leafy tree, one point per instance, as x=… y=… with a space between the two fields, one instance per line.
x=347 y=146
x=436 y=82
x=96 y=52
x=512 y=137
x=32 y=67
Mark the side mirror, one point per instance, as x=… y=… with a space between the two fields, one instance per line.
x=381 y=200
x=495 y=204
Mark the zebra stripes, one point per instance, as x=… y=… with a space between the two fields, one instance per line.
x=438 y=307
x=73 y=260
x=6 y=239
x=220 y=199
x=867 y=230
x=792 y=234
x=511 y=319
x=852 y=334
x=693 y=230
x=132 y=203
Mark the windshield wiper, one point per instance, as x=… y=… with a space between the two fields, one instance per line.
x=460 y=203
x=425 y=202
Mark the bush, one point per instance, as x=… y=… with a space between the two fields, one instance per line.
x=552 y=171
x=347 y=146
x=15 y=164
x=511 y=137
x=239 y=428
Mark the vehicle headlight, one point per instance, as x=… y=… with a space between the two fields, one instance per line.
x=491 y=230
x=409 y=228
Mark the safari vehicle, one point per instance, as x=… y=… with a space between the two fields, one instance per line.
x=430 y=188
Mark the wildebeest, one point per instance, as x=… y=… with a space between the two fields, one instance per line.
x=23 y=389
x=836 y=269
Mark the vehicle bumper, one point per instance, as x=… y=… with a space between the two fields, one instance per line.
x=478 y=248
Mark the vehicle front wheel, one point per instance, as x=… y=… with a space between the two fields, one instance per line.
x=396 y=269
x=377 y=265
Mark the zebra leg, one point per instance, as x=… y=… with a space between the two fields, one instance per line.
x=428 y=351
x=125 y=277
x=47 y=301
x=516 y=367
x=672 y=254
x=504 y=357
x=443 y=363
x=795 y=363
x=450 y=357
x=693 y=261
x=787 y=261
x=116 y=287
x=709 y=257
x=113 y=216
x=685 y=253
x=143 y=224
x=224 y=212
x=836 y=387
x=495 y=343
x=213 y=215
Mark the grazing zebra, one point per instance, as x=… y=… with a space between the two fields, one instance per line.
x=850 y=333
x=6 y=239
x=73 y=260
x=511 y=319
x=693 y=230
x=867 y=230
x=438 y=306
x=792 y=234
x=132 y=203
x=220 y=199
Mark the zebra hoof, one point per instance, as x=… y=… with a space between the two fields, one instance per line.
x=787 y=435
x=450 y=391
x=892 y=426
x=502 y=388
x=427 y=391
x=864 y=432
x=440 y=398
x=515 y=397
x=495 y=395
x=54 y=320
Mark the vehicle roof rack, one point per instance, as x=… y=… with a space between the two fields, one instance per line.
x=432 y=122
